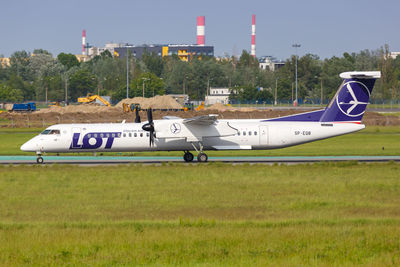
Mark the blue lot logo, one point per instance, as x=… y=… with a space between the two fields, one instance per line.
x=94 y=140
x=353 y=98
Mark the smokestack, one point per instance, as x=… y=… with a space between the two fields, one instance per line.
x=201 y=22
x=253 y=36
x=83 y=42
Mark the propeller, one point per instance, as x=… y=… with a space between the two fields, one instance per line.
x=137 y=118
x=149 y=127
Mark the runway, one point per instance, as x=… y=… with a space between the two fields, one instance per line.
x=96 y=160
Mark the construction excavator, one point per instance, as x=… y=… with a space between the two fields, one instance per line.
x=90 y=98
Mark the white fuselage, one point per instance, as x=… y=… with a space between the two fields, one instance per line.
x=173 y=135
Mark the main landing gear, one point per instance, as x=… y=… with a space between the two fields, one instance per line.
x=188 y=157
x=201 y=157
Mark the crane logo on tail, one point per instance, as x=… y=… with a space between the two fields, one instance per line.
x=353 y=98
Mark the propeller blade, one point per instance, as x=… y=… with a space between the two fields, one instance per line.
x=151 y=138
x=150 y=115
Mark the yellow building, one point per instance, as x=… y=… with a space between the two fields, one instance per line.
x=4 y=62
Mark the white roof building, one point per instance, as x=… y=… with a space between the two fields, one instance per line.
x=270 y=63
x=218 y=95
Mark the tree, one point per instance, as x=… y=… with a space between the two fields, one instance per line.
x=153 y=62
x=68 y=60
x=41 y=51
x=81 y=83
x=26 y=89
x=9 y=94
x=19 y=62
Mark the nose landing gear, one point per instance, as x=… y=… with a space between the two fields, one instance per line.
x=39 y=159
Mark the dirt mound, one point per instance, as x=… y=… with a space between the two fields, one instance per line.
x=157 y=102
x=77 y=109
x=222 y=108
x=219 y=107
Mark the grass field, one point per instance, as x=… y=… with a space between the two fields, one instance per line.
x=329 y=214
x=376 y=140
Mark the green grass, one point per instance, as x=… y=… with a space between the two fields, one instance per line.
x=390 y=114
x=372 y=141
x=329 y=214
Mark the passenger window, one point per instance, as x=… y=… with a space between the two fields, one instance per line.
x=101 y=135
x=141 y=134
x=130 y=135
x=244 y=133
x=238 y=133
x=135 y=134
x=95 y=135
x=147 y=134
x=123 y=134
x=255 y=133
x=249 y=132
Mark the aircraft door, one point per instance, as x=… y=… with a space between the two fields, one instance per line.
x=263 y=135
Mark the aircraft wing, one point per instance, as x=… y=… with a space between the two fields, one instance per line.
x=194 y=129
x=201 y=120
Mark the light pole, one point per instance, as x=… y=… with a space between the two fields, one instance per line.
x=296 y=46
x=127 y=73
x=208 y=86
x=276 y=92
x=144 y=80
x=183 y=86
x=66 y=92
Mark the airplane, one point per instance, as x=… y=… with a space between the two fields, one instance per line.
x=203 y=133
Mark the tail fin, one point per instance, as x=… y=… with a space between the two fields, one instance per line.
x=352 y=98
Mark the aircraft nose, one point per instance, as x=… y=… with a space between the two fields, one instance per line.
x=29 y=146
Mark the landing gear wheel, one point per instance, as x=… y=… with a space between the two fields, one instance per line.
x=39 y=160
x=188 y=157
x=202 y=157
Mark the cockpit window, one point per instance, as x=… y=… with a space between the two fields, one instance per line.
x=50 y=131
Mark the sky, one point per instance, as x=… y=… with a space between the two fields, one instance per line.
x=322 y=27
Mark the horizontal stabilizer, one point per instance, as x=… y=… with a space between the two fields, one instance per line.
x=360 y=75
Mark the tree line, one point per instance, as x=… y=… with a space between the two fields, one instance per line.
x=39 y=76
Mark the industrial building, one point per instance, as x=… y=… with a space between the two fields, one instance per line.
x=184 y=52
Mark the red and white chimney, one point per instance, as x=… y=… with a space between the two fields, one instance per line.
x=84 y=42
x=201 y=22
x=253 y=36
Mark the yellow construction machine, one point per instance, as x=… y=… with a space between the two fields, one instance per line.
x=200 y=107
x=90 y=98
